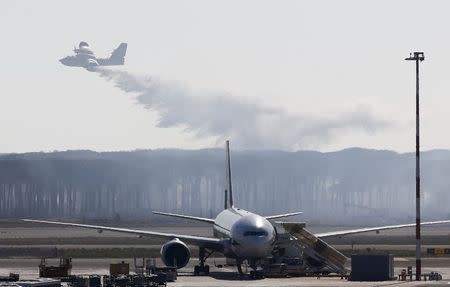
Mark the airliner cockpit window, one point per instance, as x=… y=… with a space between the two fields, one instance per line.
x=255 y=233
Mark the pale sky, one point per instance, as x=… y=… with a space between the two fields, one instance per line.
x=315 y=58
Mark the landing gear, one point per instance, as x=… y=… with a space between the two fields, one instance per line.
x=239 y=267
x=256 y=273
x=202 y=268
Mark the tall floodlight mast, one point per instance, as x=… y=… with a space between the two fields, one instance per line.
x=418 y=57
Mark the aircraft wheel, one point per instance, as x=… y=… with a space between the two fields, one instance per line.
x=283 y=272
x=206 y=270
x=239 y=267
x=196 y=270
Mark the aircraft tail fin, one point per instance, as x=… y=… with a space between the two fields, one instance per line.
x=229 y=188
x=119 y=52
x=117 y=56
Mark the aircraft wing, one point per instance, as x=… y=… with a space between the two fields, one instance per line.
x=379 y=228
x=283 y=215
x=202 y=219
x=208 y=242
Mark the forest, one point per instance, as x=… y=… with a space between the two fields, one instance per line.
x=352 y=186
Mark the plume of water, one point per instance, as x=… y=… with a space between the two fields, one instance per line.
x=248 y=123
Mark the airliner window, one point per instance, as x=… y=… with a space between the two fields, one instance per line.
x=255 y=233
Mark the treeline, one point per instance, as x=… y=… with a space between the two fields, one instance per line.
x=349 y=186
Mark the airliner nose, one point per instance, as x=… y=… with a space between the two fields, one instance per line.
x=252 y=237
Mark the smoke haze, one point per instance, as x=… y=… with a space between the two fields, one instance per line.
x=248 y=123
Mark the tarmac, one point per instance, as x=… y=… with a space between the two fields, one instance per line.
x=227 y=276
x=19 y=234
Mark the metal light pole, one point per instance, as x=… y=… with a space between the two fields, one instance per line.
x=418 y=57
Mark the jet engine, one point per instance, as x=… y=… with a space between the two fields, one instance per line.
x=175 y=253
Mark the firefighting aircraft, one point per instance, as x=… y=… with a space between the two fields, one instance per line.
x=85 y=58
x=238 y=234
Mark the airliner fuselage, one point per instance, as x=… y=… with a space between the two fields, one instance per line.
x=250 y=235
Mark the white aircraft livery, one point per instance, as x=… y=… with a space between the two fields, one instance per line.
x=84 y=57
x=238 y=234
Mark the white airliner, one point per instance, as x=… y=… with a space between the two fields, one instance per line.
x=238 y=234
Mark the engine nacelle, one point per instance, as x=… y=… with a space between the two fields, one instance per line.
x=175 y=253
